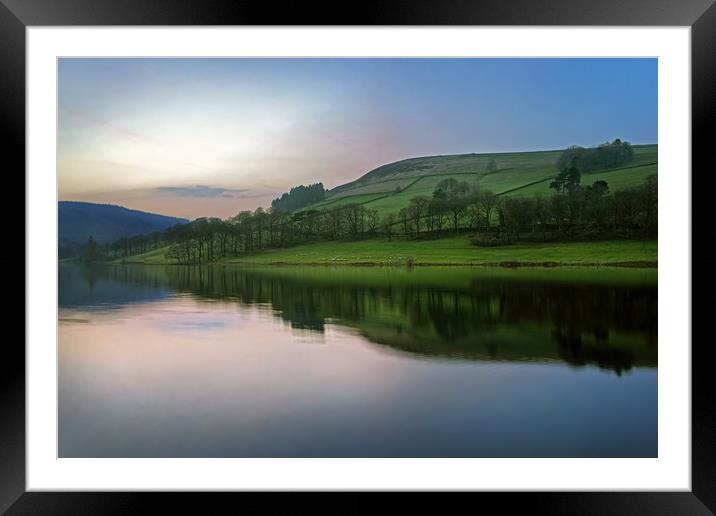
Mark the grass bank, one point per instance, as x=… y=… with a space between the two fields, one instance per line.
x=457 y=251
x=445 y=251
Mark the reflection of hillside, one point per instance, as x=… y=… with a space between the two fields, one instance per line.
x=102 y=287
x=485 y=318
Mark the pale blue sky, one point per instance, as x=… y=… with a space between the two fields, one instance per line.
x=193 y=137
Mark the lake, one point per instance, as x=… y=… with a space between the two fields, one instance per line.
x=222 y=361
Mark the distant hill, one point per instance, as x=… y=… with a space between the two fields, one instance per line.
x=106 y=222
x=390 y=187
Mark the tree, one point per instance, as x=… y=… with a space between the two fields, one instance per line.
x=259 y=218
x=541 y=214
x=474 y=214
x=456 y=207
x=91 y=251
x=625 y=208
x=487 y=201
x=405 y=220
x=650 y=201
x=607 y=155
x=388 y=222
x=558 y=209
x=175 y=252
x=335 y=223
x=355 y=216
x=455 y=195
x=450 y=187
x=575 y=203
x=299 y=197
x=436 y=214
x=416 y=210
x=567 y=179
x=598 y=189
x=373 y=221
x=515 y=214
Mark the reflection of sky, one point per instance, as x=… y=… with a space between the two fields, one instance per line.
x=192 y=137
x=178 y=377
x=197 y=324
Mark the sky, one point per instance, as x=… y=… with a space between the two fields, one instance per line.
x=211 y=137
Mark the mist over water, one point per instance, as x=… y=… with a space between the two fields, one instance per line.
x=364 y=362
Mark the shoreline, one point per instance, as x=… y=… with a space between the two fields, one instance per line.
x=447 y=252
x=504 y=264
x=635 y=264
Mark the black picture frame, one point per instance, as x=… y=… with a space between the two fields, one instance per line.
x=17 y=15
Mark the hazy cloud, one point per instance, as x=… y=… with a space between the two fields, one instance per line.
x=204 y=191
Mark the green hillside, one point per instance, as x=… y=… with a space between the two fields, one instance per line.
x=390 y=187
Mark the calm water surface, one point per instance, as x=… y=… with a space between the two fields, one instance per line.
x=360 y=362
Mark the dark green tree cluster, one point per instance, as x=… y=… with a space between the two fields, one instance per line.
x=299 y=197
x=136 y=244
x=567 y=180
x=207 y=240
x=578 y=212
x=604 y=156
x=455 y=206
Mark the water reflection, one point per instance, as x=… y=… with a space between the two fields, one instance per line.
x=375 y=362
x=474 y=314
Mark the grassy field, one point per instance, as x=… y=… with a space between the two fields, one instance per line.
x=618 y=179
x=348 y=199
x=446 y=251
x=456 y=250
x=390 y=187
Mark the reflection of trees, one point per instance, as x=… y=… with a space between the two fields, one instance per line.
x=613 y=327
x=573 y=351
x=581 y=318
x=576 y=309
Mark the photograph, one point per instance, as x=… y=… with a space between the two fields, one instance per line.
x=359 y=257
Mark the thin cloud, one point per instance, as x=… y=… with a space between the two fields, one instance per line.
x=93 y=121
x=204 y=191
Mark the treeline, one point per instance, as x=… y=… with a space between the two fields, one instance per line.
x=573 y=212
x=606 y=155
x=578 y=213
x=299 y=197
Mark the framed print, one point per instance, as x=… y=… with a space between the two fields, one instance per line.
x=437 y=248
